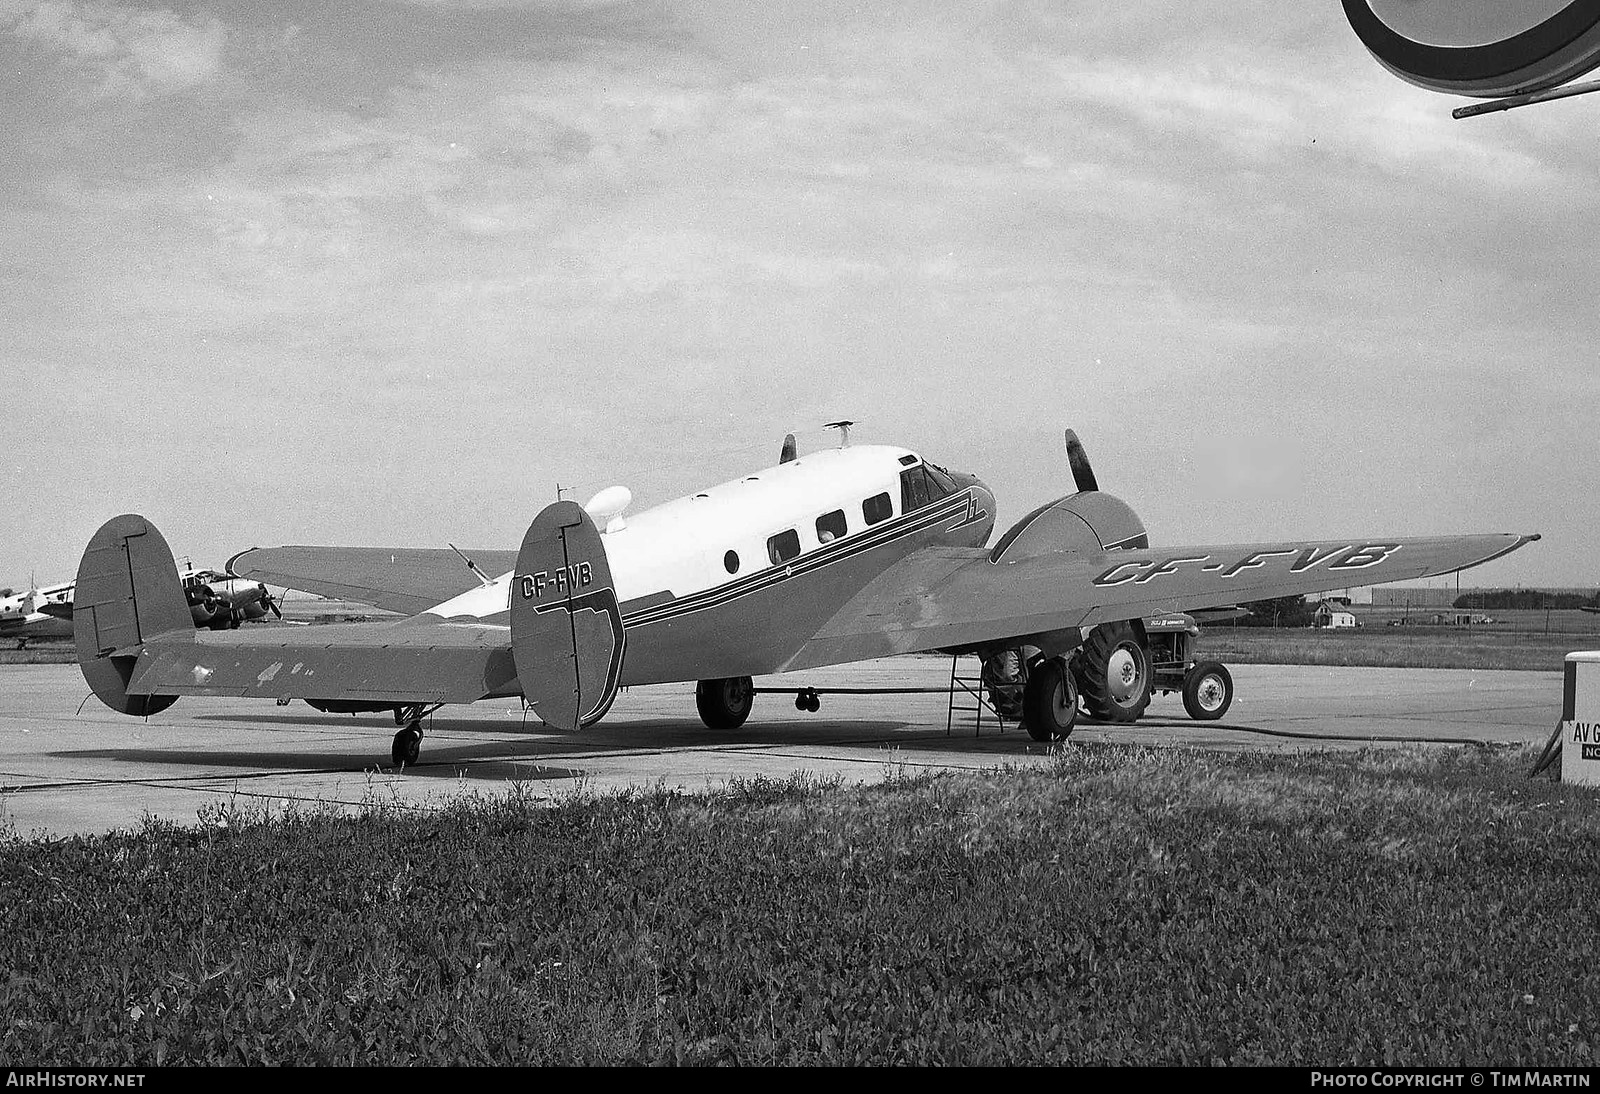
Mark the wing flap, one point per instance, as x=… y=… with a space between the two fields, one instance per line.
x=939 y=598
x=397 y=579
x=428 y=661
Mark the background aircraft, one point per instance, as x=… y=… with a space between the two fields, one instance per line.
x=831 y=557
x=34 y=614
x=221 y=601
x=216 y=600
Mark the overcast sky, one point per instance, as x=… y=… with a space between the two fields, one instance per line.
x=285 y=271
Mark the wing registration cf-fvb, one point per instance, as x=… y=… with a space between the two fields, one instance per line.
x=830 y=557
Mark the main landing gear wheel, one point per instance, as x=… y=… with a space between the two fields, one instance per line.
x=726 y=703
x=1113 y=671
x=1207 y=691
x=1050 y=701
x=407 y=745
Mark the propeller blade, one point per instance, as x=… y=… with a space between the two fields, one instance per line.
x=1078 y=460
x=790 y=449
x=266 y=598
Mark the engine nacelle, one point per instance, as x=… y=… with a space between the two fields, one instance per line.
x=1089 y=521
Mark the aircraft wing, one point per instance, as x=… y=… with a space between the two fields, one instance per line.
x=945 y=597
x=397 y=579
x=410 y=661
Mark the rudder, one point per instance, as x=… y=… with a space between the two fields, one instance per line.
x=127 y=593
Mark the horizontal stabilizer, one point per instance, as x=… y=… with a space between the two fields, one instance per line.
x=413 y=661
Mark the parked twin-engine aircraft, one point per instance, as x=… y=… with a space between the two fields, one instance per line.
x=831 y=557
x=34 y=614
x=215 y=600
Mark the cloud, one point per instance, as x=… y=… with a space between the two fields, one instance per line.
x=128 y=53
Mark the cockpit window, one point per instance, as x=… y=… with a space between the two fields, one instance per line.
x=940 y=484
x=783 y=546
x=923 y=485
x=913 y=489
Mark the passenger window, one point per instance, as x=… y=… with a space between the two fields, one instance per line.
x=877 y=509
x=783 y=546
x=831 y=526
x=913 y=489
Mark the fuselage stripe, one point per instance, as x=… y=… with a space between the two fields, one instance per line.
x=957 y=505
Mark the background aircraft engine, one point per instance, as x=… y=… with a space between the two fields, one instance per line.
x=205 y=605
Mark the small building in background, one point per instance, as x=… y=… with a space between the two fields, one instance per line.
x=1333 y=615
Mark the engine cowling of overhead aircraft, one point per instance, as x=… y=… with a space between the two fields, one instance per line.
x=1088 y=521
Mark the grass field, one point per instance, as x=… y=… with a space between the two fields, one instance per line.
x=1126 y=905
x=1395 y=647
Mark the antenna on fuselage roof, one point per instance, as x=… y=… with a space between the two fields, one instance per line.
x=471 y=565
x=844 y=432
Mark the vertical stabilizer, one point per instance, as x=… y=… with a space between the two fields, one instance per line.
x=127 y=594
x=566 y=626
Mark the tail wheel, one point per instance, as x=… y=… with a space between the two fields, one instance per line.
x=725 y=703
x=407 y=746
x=1113 y=672
x=1050 y=701
x=1005 y=676
x=1207 y=691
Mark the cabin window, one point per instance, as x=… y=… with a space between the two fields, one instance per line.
x=831 y=526
x=783 y=546
x=730 y=562
x=877 y=508
x=913 y=490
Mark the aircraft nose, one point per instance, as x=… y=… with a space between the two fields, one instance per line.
x=983 y=495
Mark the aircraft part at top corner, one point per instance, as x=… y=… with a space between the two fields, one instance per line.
x=1481 y=48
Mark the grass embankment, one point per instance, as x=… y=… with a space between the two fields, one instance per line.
x=48 y=653
x=1127 y=906
x=1396 y=647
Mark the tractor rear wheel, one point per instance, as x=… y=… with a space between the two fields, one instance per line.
x=1113 y=671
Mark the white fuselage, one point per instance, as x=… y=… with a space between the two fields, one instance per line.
x=738 y=528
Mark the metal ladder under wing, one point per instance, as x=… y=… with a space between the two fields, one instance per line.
x=966 y=689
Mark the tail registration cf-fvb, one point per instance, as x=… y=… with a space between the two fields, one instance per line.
x=836 y=556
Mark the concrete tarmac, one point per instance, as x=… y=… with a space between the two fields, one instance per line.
x=66 y=770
